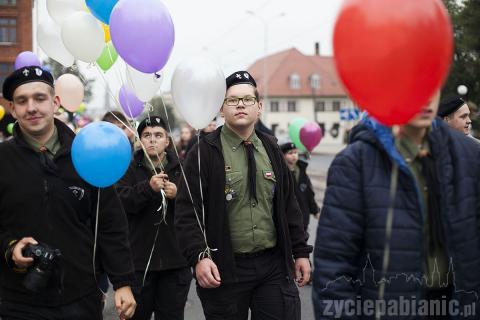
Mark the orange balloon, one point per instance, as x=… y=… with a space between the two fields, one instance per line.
x=393 y=55
x=106 y=30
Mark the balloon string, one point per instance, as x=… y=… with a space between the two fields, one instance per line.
x=388 y=235
x=95 y=239
x=207 y=252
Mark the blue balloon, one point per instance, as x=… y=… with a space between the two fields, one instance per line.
x=101 y=153
x=102 y=9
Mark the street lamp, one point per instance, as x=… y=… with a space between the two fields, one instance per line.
x=265 y=49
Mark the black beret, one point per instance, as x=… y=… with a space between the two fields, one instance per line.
x=152 y=121
x=287 y=147
x=240 y=77
x=22 y=76
x=449 y=106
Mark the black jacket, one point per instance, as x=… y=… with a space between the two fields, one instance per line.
x=287 y=215
x=305 y=194
x=350 y=239
x=58 y=208
x=141 y=204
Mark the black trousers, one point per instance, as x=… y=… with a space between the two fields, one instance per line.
x=87 y=308
x=262 y=287
x=164 y=293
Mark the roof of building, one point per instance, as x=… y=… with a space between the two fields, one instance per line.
x=282 y=65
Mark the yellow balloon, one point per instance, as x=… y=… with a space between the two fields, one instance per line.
x=106 y=30
x=2 y=112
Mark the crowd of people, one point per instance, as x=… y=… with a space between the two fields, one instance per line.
x=230 y=208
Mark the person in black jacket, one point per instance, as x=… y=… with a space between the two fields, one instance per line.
x=152 y=236
x=434 y=248
x=303 y=186
x=243 y=233
x=44 y=202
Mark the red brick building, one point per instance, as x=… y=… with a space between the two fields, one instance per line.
x=15 y=37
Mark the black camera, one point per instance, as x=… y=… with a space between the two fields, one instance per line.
x=45 y=273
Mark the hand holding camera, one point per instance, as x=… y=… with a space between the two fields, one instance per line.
x=43 y=263
x=18 y=258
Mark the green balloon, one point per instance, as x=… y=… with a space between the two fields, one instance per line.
x=294 y=132
x=108 y=57
x=10 y=128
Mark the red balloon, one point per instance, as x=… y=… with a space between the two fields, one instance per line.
x=310 y=135
x=393 y=55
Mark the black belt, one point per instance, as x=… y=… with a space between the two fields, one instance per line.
x=248 y=255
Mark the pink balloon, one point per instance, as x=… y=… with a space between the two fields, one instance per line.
x=131 y=105
x=310 y=135
x=71 y=91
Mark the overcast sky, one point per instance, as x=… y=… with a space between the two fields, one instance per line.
x=224 y=30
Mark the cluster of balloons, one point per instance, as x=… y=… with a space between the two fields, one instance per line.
x=392 y=61
x=306 y=135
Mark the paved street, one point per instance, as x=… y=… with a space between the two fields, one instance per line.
x=193 y=311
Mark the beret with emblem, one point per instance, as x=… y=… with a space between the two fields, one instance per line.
x=22 y=76
x=287 y=147
x=240 y=77
x=449 y=106
x=152 y=121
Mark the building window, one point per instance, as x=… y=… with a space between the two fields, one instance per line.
x=315 y=81
x=5 y=70
x=292 y=106
x=319 y=106
x=274 y=106
x=294 y=81
x=8 y=2
x=8 y=30
x=336 y=106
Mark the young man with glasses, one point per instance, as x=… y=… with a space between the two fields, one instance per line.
x=254 y=246
x=155 y=250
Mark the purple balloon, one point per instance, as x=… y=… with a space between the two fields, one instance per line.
x=143 y=34
x=27 y=59
x=310 y=135
x=131 y=105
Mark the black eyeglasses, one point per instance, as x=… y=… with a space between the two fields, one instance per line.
x=234 y=101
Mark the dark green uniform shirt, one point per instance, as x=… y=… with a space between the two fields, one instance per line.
x=436 y=273
x=251 y=223
x=52 y=145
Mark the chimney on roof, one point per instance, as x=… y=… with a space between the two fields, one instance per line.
x=317 y=48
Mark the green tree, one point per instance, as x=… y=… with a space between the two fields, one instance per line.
x=466 y=63
x=57 y=70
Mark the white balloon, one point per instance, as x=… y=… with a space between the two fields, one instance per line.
x=198 y=90
x=59 y=10
x=462 y=90
x=50 y=40
x=83 y=36
x=144 y=85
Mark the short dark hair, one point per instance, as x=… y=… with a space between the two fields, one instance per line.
x=115 y=116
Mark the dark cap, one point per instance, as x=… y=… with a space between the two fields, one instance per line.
x=152 y=121
x=22 y=76
x=240 y=77
x=449 y=106
x=287 y=147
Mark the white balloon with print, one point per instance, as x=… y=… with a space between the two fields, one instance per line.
x=198 y=90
